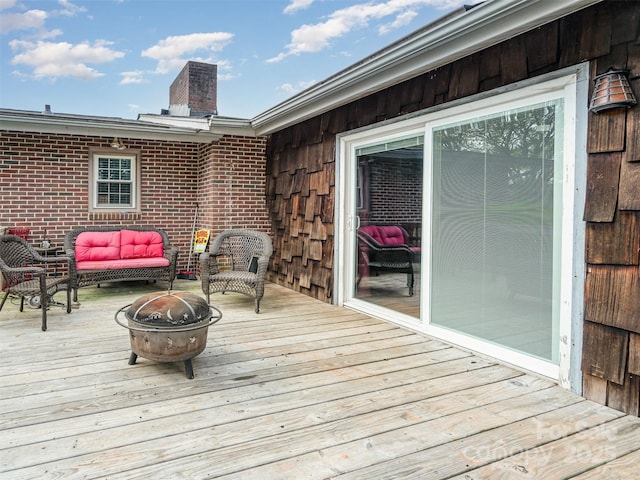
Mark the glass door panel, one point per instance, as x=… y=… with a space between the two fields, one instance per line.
x=495 y=230
x=389 y=233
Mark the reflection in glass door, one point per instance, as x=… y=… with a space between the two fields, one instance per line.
x=389 y=234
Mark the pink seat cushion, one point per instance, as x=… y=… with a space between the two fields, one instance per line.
x=373 y=232
x=120 y=264
x=140 y=244
x=391 y=235
x=385 y=234
x=97 y=246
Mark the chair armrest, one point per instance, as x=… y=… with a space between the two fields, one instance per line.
x=370 y=250
x=30 y=270
x=171 y=254
x=209 y=264
x=70 y=254
x=56 y=259
x=263 y=264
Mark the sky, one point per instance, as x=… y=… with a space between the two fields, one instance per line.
x=118 y=58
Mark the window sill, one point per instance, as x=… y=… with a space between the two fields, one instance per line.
x=115 y=216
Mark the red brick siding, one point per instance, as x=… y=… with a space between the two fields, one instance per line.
x=44 y=185
x=399 y=198
x=232 y=185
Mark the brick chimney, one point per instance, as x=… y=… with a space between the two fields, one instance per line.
x=194 y=92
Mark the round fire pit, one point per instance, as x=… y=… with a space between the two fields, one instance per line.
x=168 y=327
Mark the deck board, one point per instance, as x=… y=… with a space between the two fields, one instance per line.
x=302 y=390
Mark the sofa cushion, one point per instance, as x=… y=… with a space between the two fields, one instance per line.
x=119 y=264
x=391 y=235
x=140 y=244
x=385 y=234
x=373 y=232
x=98 y=246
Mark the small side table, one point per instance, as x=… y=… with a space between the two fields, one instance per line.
x=45 y=252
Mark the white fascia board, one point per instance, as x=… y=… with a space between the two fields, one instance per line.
x=191 y=123
x=231 y=126
x=485 y=25
x=215 y=124
x=93 y=126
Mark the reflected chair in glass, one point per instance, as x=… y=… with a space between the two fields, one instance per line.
x=375 y=258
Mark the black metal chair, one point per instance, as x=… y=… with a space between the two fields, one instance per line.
x=25 y=275
x=236 y=262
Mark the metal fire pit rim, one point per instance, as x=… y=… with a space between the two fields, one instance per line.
x=170 y=329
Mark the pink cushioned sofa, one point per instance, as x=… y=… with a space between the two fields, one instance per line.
x=116 y=253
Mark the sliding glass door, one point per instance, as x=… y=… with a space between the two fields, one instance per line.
x=484 y=195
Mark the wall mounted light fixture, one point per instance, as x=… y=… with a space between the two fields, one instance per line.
x=116 y=143
x=611 y=90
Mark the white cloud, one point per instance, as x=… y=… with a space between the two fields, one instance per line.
x=318 y=36
x=69 y=9
x=4 y=4
x=291 y=89
x=404 y=18
x=173 y=52
x=30 y=20
x=34 y=19
x=296 y=5
x=133 y=77
x=62 y=59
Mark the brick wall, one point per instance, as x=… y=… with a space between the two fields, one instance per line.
x=232 y=184
x=396 y=193
x=44 y=185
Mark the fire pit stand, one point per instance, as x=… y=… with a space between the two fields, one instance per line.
x=168 y=327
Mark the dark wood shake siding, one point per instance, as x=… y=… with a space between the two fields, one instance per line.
x=301 y=179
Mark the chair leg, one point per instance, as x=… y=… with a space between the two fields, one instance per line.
x=257 y=305
x=44 y=303
x=22 y=303
x=4 y=299
x=68 y=299
x=410 y=283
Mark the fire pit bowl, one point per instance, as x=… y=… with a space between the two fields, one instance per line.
x=168 y=327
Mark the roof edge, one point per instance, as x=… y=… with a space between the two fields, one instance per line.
x=31 y=121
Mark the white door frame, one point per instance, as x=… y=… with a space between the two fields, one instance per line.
x=573 y=82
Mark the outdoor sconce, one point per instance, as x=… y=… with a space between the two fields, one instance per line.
x=117 y=144
x=612 y=90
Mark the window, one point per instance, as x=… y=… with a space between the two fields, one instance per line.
x=114 y=182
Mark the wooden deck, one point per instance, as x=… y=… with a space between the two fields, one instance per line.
x=304 y=390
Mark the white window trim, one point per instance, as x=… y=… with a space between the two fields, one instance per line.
x=134 y=156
